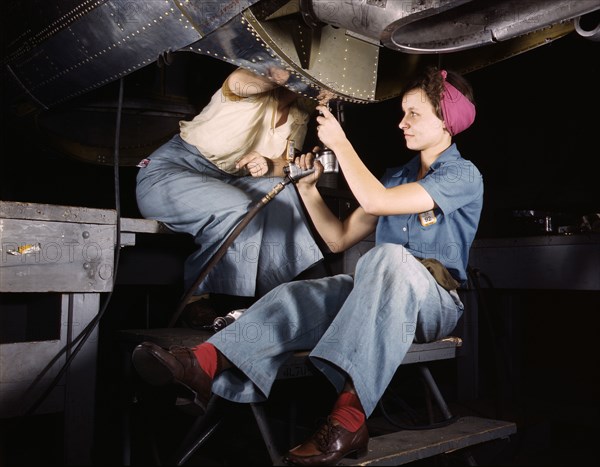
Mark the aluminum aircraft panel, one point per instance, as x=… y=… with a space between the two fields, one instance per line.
x=360 y=51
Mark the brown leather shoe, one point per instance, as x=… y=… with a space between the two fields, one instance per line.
x=159 y=367
x=328 y=445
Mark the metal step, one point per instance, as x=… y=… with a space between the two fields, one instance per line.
x=407 y=446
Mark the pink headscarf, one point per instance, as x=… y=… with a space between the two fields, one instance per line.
x=457 y=110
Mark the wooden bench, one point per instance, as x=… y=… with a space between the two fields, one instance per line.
x=56 y=261
x=395 y=448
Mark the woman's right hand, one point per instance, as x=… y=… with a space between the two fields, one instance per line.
x=254 y=163
x=329 y=130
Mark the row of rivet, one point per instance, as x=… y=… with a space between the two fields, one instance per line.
x=285 y=65
x=144 y=62
x=52 y=29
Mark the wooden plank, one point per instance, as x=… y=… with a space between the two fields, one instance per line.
x=407 y=446
x=442 y=349
x=296 y=366
x=129 y=224
x=52 y=212
x=61 y=213
x=48 y=256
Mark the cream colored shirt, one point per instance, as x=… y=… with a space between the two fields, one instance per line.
x=230 y=126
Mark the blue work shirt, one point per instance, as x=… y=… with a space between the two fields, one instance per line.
x=447 y=232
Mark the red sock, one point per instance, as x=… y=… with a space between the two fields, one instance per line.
x=348 y=411
x=207 y=358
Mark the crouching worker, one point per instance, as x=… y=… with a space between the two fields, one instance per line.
x=425 y=215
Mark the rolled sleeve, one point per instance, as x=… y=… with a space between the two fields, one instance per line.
x=453 y=185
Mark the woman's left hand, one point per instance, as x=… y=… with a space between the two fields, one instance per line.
x=255 y=163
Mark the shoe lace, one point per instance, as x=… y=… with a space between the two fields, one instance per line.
x=324 y=434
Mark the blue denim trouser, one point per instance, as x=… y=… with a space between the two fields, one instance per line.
x=357 y=327
x=188 y=193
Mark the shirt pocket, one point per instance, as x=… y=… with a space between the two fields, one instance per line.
x=424 y=233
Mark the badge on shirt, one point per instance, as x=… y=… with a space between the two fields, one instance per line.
x=427 y=218
x=143 y=163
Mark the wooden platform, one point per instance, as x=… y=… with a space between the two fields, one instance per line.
x=391 y=448
x=407 y=446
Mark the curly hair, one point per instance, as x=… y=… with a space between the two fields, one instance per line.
x=432 y=83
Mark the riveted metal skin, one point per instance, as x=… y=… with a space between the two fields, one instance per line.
x=259 y=46
x=81 y=46
x=362 y=51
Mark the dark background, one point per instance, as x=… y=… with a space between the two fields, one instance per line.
x=534 y=140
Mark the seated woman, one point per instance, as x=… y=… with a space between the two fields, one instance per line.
x=205 y=178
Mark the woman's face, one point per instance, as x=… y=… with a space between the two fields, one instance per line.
x=421 y=126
